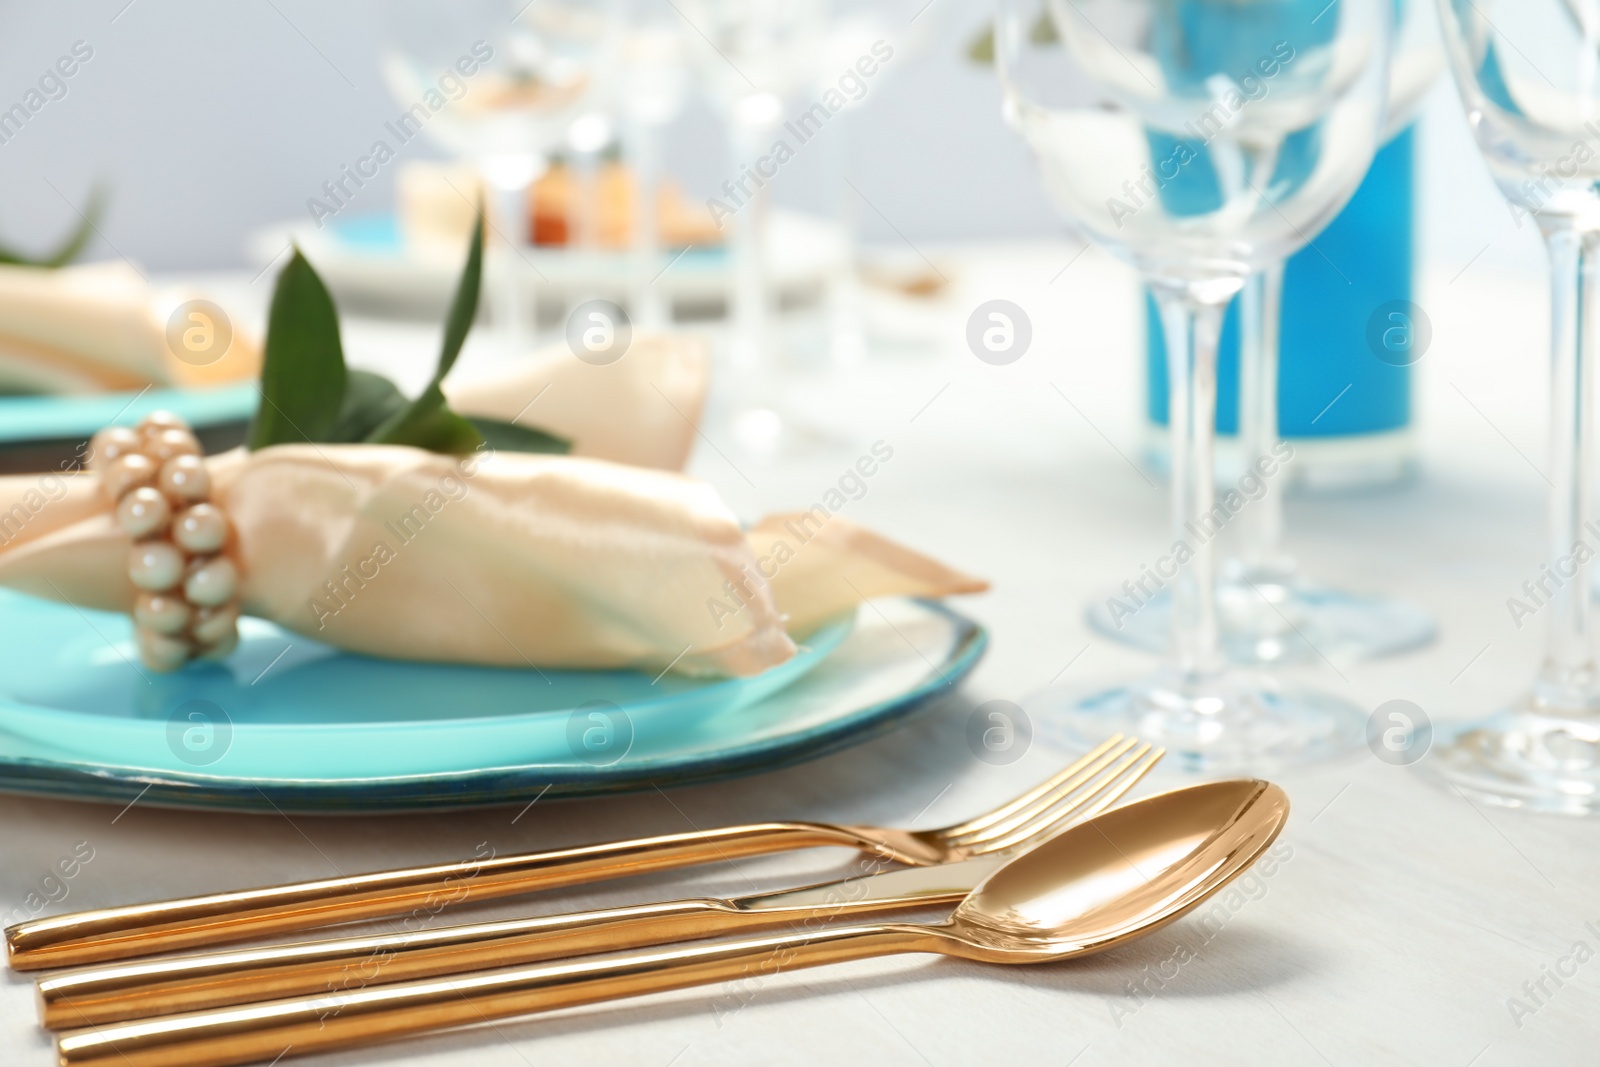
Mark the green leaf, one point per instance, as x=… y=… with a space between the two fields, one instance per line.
x=428 y=422
x=370 y=400
x=302 y=373
x=1044 y=30
x=514 y=437
x=464 y=308
x=981 y=48
x=74 y=244
x=308 y=395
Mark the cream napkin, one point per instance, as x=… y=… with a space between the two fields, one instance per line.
x=102 y=327
x=503 y=559
x=642 y=409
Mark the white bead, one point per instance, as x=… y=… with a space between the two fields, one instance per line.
x=127 y=473
x=184 y=479
x=222 y=649
x=162 y=653
x=201 y=530
x=212 y=626
x=143 y=513
x=162 y=614
x=110 y=444
x=155 y=566
x=157 y=421
x=211 y=582
x=162 y=445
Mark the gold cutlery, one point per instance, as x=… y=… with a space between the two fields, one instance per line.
x=173 y=984
x=90 y=937
x=1098 y=884
x=138 y=989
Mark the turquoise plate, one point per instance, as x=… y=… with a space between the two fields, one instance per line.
x=291 y=724
x=77 y=417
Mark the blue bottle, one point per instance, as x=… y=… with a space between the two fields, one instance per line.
x=1345 y=405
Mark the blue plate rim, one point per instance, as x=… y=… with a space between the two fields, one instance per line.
x=28 y=419
x=490 y=787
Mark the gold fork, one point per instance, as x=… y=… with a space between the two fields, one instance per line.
x=172 y=984
x=86 y=937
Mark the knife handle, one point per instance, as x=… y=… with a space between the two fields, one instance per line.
x=89 y=937
x=220 y=979
x=295 y=1027
x=217 y=979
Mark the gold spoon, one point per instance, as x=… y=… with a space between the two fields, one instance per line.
x=1104 y=882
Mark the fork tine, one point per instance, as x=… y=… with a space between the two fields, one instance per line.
x=1050 y=786
x=1105 y=793
x=1117 y=789
x=1082 y=790
x=1002 y=820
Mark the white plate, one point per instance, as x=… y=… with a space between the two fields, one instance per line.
x=366 y=259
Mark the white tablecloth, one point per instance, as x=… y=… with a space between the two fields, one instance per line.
x=1405 y=925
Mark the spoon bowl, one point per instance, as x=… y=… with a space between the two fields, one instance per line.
x=1120 y=875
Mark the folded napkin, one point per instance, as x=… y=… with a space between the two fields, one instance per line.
x=502 y=559
x=102 y=327
x=642 y=409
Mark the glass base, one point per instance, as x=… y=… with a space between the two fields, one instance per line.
x=1525 y=758
x=758 y=431
x=1226 y=723
x=848 y=348
x=762 y=435
x=1275 y=622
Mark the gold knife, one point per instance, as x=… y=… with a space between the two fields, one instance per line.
x=146 y=988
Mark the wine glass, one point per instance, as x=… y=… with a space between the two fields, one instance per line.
x=499 y=83
x=1200 y=163
x=751 y=56
x=652 y=85
x=1529 y=79
x=855 y=28
x=1268 y=610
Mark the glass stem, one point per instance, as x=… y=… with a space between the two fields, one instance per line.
x=848 y=341
x=512 y=303
x=1261 y=523
x=1566 y=683
x=583 y=235
x=1191 y=328
x=748 y=313
x=649 y=308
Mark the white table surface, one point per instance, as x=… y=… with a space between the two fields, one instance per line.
x=1396 y=931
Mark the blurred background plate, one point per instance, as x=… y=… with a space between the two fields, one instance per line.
x=290 y=723
x=370 y=266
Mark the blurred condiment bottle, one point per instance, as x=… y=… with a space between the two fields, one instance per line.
x=436 y=202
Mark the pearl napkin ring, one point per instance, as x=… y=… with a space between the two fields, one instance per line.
x=187 y=605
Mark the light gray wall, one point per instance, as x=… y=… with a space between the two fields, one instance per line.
x=209 y=119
